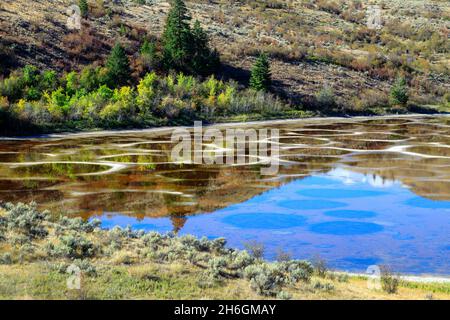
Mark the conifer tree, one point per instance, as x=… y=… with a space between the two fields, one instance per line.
x=118 y=67
x=260 y=79
x=204 y=61
x=176 y=38
x=184 y=48
x=399 y=92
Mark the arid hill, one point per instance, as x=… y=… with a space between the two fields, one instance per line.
x=312 y=43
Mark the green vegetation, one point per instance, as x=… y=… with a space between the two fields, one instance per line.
x=94 y=98
x=176 y=79
x=184 y=49
x=399 y=92
x=118 y=67
x=389 y=280
x=38 y=251
x=261 y=78
x=84 y=8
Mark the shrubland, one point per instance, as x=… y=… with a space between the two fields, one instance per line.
x=92 y=99
x=39 y=252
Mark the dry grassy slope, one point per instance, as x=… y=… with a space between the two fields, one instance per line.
x=37 y=32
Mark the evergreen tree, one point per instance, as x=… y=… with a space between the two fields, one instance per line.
x=399 y=92
x=177 y=37
x=118 y=67
x=204 y=61
x=184 y=48
x=149 y=55
x=260 y=76
x=84 y=8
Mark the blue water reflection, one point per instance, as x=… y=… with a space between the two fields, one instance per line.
x=371 y=223
x=345 y=228
x=351 y=214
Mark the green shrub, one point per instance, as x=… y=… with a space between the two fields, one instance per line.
x=118 y=67
x=78 y=224
x=86 y=267
x=323 y=286
x=150 y=56
x=216 y=267
x=265 y=279
x=260 y=79
x=73 y=247
x=12 y=87
x=399 y=92
x=389 y=280
x=297 y=270
x=241 y=259
x=6 y=258
x=25 y=219
x=326 y=99
x=283 y=295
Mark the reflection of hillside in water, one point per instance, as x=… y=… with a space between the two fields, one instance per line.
x=130 y=173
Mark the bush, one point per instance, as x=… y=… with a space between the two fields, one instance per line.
x=283 y=256
x=73 y=247
x=399 y=92
x=255 y=248
x=265 y=279
x=241 y=259
x=6 y=258
x=297 y=270
x=12 y=87
x=283 y=295
x=78 y=224
x=153 y=238
x=216 y=267
x=323 y=286
x=25 y=219
x=389 y=280
x=320 y=266
x=326 y=99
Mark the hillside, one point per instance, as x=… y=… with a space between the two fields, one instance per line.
x=312 y=44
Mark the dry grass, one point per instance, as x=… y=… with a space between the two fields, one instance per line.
x=179 y=281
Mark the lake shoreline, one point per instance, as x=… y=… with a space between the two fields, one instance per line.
x=166 y=129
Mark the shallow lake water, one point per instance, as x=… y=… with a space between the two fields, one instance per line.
x=356 y=192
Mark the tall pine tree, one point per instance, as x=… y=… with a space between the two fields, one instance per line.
x=118 y=67
x=204 y=61
x=177 y=37
x=184 y=48
x=399 y=92
x=260 y=79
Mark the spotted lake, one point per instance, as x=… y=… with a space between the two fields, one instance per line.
x=357 y=192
